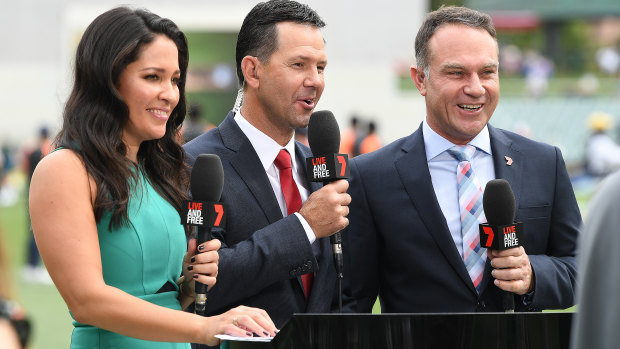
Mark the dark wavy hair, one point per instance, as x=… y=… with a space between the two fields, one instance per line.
x=95 y=114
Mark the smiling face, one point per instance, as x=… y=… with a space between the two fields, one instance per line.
x=291 y=82
x=149 y=88
x=462 y=90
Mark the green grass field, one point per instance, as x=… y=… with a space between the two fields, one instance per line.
x=47 y=310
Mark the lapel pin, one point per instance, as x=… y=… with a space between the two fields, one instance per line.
x=508 y=160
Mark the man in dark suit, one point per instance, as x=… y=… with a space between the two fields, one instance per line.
x=270 y=251
x=413 y=234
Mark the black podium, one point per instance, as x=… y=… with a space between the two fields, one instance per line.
x=433 y=331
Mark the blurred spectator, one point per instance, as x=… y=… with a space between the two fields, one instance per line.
x=194 y=125
x=348 y=138
x=6 y=161
x=371 y=141
x=511 y=58
x=608 y=60
x=537 y=70
x=14 y=326
x=34 y=271
x=602 y=153
x=8 y=194
x=1 y=168
x=588 y=84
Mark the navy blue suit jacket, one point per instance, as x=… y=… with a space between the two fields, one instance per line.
x=263 y=254
x=398 y=245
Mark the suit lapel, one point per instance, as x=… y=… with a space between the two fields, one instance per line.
x=246 y=163
x=412 y=168
x=503 y=154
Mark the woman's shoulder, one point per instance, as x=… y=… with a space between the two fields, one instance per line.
x=61 y=161
x=62 y=169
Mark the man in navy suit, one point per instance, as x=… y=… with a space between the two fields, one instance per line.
x=406 y=240
x=265 y=249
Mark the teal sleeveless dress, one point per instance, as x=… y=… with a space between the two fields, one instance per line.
x=139 y=258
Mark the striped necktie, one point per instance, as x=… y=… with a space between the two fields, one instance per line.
x=472 y=213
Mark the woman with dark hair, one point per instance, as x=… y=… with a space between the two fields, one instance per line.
x=105 y=204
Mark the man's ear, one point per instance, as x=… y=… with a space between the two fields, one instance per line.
x=419 y=79
x=250 y=66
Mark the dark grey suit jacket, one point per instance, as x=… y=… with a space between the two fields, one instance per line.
x=263 y=254
x=596 y=323
x=398 y=245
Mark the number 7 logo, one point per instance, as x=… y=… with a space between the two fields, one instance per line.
x=489 y=232
x=219 y=209
x=343 y=164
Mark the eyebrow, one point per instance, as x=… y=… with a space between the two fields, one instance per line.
x=306 y=58
x=491 y=65
x=460 y=66
x=160 y=70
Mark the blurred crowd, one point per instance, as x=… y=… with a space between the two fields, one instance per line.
x=537 y=70
x=360 y=137
x=16 y=168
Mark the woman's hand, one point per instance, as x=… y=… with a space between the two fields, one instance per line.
x=201 y=266
x=241 y=321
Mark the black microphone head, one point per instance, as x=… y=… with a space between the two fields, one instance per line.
x=207 y=178
x=498 y=202
x=323 y=133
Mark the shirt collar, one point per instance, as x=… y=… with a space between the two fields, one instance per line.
x=266 y=148
x=436 y=144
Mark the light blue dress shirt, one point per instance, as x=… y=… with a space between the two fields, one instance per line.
x=442 y=167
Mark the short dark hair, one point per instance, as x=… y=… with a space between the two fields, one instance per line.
x=447 y=15
x=95 y=113
x=258 y=35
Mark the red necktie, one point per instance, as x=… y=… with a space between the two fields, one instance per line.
x=292 y=199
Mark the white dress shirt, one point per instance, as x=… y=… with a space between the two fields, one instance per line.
x=267 y=150
x=442 y=167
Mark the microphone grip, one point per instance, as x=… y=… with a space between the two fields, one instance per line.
x=508 y=300
x=201 y=298
x=336 y=238
x=203 y=235
x=336 y=242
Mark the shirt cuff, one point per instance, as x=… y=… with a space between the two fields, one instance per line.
x=307 y=229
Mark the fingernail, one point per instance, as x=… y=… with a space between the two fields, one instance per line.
x=249 y=334
x=195 y=276
x=190 y=267
x=277 y=331
x=201 y=247
x=266 y=333
x=193 y=259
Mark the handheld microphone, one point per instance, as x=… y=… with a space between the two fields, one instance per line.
x=501 y=232
x=324 y=139
x=204 y=212
x=327 y=166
